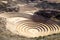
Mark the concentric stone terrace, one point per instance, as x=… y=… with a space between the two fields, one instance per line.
x=31 y=29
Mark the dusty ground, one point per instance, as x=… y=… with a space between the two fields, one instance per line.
x=7 y=35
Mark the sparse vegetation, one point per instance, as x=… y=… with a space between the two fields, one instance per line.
x=45 y=5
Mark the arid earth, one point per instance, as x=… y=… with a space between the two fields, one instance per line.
x=7 y=35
